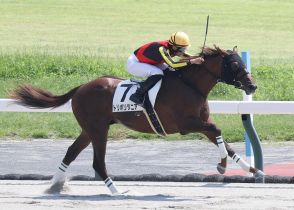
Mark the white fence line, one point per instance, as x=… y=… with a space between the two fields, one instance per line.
x=252 y=107
x=219 y=107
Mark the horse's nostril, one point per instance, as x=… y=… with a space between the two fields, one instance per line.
x=252 y=87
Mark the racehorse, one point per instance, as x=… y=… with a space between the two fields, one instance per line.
x=181 y=105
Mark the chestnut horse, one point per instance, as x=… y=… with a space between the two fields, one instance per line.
x=181 y=105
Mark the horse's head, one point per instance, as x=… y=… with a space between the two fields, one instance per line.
x=230 y=69
x=234 y=72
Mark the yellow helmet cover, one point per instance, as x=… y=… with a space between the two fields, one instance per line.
x=179 y=39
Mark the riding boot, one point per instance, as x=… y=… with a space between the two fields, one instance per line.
x=139 y=95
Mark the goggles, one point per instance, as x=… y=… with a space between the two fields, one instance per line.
x=182 y=49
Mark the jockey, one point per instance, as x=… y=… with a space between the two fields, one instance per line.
x=151 y=59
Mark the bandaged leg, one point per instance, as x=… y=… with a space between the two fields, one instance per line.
x=221 y=147
x=60 y=175
x=221 y=167
x=242 y=163
x=110 y=185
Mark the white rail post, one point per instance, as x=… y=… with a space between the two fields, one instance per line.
x=248 y=147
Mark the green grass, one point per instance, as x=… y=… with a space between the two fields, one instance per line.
x=115 y=28
x=58 y=45
x=43 y=70
x=64 y=125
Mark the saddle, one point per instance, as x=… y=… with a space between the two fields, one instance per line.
x=121 y=103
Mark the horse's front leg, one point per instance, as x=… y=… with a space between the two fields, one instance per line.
x=212 y=132
x=214 y=135
x=243 y=164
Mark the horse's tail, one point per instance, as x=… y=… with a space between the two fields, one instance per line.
x=27 y=95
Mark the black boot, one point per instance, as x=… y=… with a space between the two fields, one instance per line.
x=139 y=95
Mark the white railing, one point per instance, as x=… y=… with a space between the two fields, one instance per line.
x=217 y=107
x=252 y=107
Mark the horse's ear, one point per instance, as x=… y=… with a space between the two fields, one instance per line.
x=235 y=49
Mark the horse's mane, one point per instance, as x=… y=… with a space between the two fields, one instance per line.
x=215 y=51
x=207 y=52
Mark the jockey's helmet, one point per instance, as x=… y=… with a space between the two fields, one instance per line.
x=179 y=39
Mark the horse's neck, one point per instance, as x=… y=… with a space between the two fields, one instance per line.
x=200 y=80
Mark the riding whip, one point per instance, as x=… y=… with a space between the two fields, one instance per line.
x=207 y=21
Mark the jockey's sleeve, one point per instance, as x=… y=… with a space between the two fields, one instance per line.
x=186 y=55
x=167 y=58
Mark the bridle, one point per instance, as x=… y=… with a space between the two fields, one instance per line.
x=228 y=75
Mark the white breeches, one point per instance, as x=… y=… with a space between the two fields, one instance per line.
x=138 y=69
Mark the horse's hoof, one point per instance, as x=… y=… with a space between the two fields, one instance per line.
x=130 y=193
x=119 y=193
x=259 y=176
x=125 y=192
x=57 y=188
x=220 y=169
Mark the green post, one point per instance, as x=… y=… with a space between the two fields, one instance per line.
x=254 y=139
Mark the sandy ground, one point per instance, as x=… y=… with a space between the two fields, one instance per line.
x=29 y=195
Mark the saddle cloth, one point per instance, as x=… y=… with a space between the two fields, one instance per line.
x=121 y=101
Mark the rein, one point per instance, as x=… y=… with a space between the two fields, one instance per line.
x=227 y=74
x=179 y=74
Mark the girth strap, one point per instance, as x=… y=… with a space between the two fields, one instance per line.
x=152 y=117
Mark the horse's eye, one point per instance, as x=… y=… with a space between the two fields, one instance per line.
x=234 y=66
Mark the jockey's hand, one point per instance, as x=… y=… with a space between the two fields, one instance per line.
x=198 y=60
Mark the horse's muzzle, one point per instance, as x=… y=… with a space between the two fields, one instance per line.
x=250 y=89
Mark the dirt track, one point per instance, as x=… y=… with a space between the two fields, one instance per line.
x=29 y=195
x=133 y=157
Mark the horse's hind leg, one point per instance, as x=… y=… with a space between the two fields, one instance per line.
x=73 y=151
x=99 y=141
